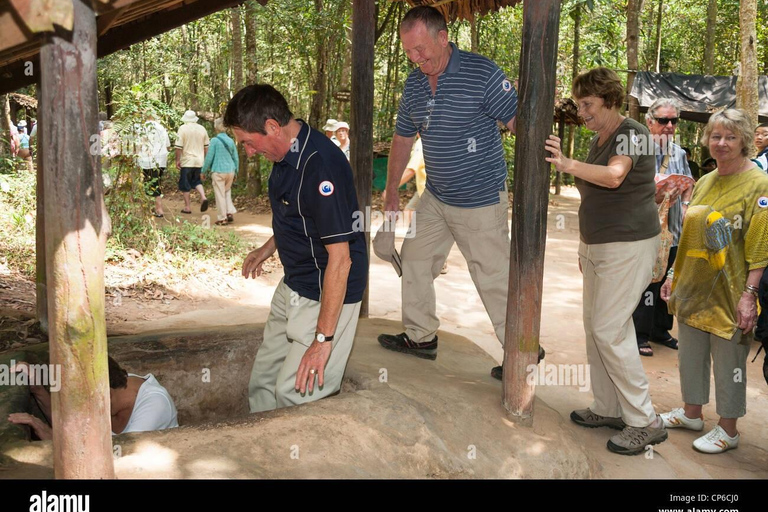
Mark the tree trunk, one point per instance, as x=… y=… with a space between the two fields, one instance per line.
x=319 y=86
x=634 y=8
x=108 y=99
x=746 y=84
x=340 y=105
x=709 y=45
x=658 y=36
x=473 y=36
x=237 y=49
x=237 y=67
x=5 y=126
x=361 y=113
x=76 y=232
x=251 y=62
x=575 y=72
x=252 y=169
x=538 y=78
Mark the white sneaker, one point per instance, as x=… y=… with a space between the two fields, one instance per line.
x=677 y=419
x=717 y=441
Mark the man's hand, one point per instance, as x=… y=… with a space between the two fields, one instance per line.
x=41 y=430
x=666 y=290
x=315 y=358
x=252 y=266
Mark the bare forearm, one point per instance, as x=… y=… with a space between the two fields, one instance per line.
x=399 y=154
x=407 y=175
x=609 y=176
x=753 y=277
x=334 y=291
x=43 y=397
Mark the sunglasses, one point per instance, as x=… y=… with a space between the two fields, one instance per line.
x=665 y=120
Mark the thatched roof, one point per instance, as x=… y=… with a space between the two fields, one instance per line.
x=465 y=9
x=568 y=107
x=23 y=100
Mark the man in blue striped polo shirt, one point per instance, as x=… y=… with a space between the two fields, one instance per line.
x=453 y=100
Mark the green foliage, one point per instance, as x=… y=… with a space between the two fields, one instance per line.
x=17 y=218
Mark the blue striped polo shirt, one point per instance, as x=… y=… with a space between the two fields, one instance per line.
x=462 y=145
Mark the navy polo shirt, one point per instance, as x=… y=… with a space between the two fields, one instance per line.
x=463 y=154
x=314 y=201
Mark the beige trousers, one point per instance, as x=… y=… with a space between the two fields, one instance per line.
x=222 y=191
x=700 y=351
x=615 y=275
x=482 y=235
x=289 y=332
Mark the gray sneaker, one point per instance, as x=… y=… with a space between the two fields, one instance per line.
x=633 y=440
x=587 y=418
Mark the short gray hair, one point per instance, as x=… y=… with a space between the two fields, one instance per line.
x=218 y=125
x=737 y=121
x=664 y=102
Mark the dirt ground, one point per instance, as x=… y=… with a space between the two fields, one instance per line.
x=236 y=301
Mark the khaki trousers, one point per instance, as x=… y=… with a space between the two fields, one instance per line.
x=482 y=235
x=698 y=352
x=222 y=191
x=289 y=332
x=615 y=275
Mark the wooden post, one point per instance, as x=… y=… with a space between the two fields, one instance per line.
x=529 y=212
x=76 y=230
x=41 y=288
x=361 y=110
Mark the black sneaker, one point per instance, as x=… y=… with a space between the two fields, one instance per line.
x=401 y=343
x=497 y=372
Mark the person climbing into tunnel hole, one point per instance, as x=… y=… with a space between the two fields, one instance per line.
x=138 y=404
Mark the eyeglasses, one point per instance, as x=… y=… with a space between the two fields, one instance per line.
x=665 y=120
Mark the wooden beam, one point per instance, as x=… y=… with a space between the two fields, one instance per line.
x=76 y=229
x=123 y=36
x=105 y=21
x=531 y=198
x=361 y=110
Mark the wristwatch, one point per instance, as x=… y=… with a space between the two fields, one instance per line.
x=686 y=203
x=322 y=338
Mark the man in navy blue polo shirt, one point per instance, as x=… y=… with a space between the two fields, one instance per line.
x=313 y=317
x=454 y=101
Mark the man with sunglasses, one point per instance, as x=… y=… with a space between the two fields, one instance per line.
x=651 y=318
x=454 y=100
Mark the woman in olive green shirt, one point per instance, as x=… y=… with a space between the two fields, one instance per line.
x=619 y=229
